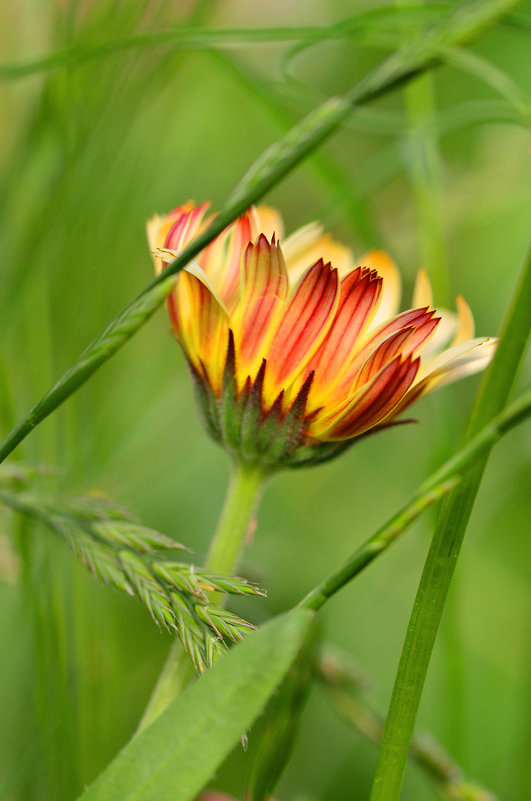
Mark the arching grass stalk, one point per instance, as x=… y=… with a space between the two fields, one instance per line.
x=415 y=57
x=235 y=524
x=192 y=37
x=436 y=487
x=443 y=555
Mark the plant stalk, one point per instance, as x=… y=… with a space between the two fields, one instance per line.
x=444 y=552
x=234 y=526
x=445 y=479
x=346 y=688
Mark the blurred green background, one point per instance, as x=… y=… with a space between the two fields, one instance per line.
x=440 y=178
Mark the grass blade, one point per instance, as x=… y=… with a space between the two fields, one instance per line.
x=442 y=557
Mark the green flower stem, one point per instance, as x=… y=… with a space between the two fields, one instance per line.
x=424 y=53
x=233 y=528
x=444 y=552
x=234 y=525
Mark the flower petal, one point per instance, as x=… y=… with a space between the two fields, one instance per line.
x=422 y=294
x=268 y=221
x=457 y=362
x=442 y=336
x=182 y=227
x=382 y=355
x=157 y=227
x=174 y=231
x=465 y=321
x=264 y=288
x=384 y=265
x=413 y=318
x=405 y=342
x=303 y=325
x=308 y=244
x=455 y=328
x=472 y=354
x=221 y=259
x=202 y=326
x=358 y=298
x=376 y=400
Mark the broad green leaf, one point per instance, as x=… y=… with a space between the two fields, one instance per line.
x=174 y=758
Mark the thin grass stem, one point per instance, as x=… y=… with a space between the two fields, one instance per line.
x=198 y=38
x=444 y=479
x=346 y=689
x=444 y=551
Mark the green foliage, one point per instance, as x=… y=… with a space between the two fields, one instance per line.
x=435 y=488
x=440 y=564
x=133 y=558
x=373 y=26
x=346 y=686
x=139 y=109
x=173 y=758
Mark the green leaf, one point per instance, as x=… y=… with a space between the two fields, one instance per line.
x=174 y=758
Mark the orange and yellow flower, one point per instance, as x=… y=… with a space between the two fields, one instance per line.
x=295 y=350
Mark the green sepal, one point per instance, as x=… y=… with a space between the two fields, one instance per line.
x=269 y=427
x=309 y=455
x=252 y=417
x=230 y=405
x=291 y=430
x=208 y=404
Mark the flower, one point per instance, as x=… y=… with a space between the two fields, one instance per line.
x=295 y=350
